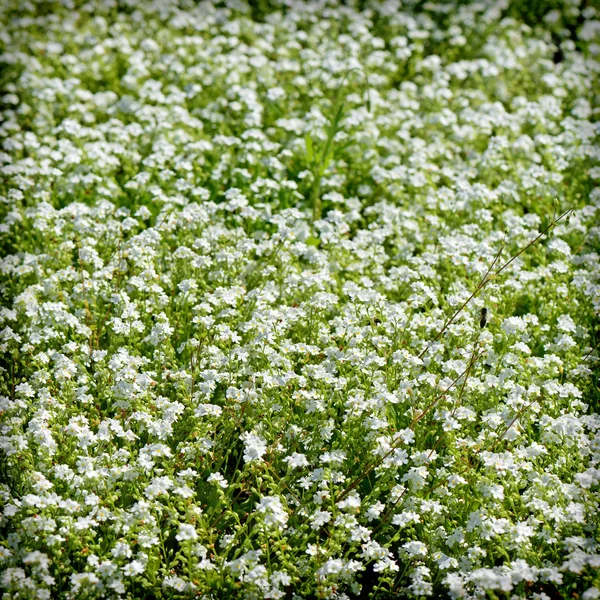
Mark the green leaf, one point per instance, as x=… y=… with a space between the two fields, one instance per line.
x=309 y=148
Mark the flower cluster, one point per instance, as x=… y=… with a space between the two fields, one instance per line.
x=299 y=301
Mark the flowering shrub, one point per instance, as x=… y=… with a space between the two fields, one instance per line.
x=300 y=302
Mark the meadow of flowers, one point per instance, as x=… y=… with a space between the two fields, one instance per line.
x=299 y=300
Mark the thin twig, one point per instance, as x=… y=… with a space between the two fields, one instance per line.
x=496 y=442
x=487 y=278
x=591 y=351
x=438 y=441
x=483 y=282
x=214 y=523
x=393 y=447
x=517 y=416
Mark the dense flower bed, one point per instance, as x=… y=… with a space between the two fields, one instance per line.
x=300 y=301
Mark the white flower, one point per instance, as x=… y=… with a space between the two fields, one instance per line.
x=208 y=409
x=374 y=511
x=285 y=229
x=415 y=548
x=492 y=579
x=296 y=461
x=218 y=479
x=186 y=532
x=178 y=584
x=559 y=245
x=320 y=518
x=254 y=447
x=135 y=567
x=274 y=515
x=351 y=503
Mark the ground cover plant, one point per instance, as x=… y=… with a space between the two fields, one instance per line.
x=299 y=300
